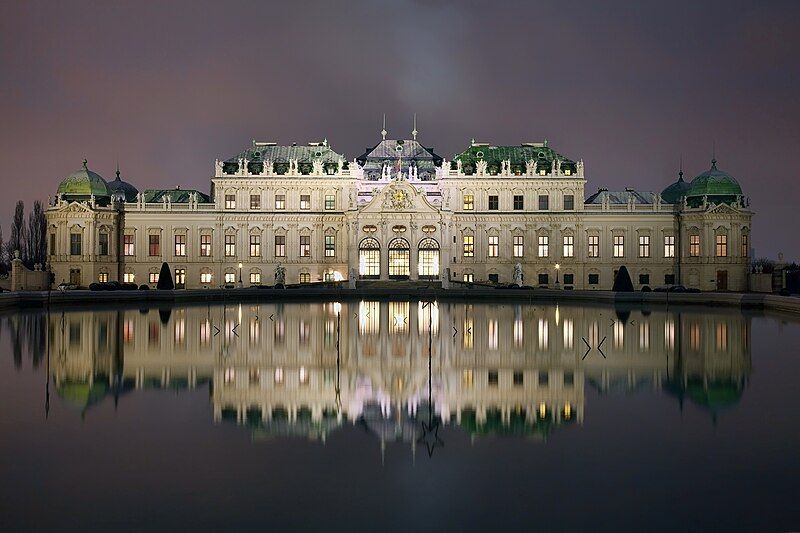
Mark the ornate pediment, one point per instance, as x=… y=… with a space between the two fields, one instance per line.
x=399 y=197
x=74 y=207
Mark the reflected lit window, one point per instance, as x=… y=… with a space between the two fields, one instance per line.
x=469 y=334
x=180 y=331
x=205 y=332
x=255 y=331
x=153 y=332
x=255 y=376
x=644 y=336
x=594 y=334
x=369 y=318
x=127 y=331
x=694 y=336
x=398 y=317
x=619 y=334
x=279 y=332
x=303 y=375
x=468 y=377
x=568 y=333
x=494 y=334
x=544 y=334
x=722 y=336
x=279 y=376
x=304 y=332
x=519 y=332
x=669 y=334
x=429 y=313
x=230 y=375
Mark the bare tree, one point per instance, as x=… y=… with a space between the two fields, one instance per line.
x=36 y=236
x=3 y=256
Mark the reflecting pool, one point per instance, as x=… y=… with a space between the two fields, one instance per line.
x=398 y=415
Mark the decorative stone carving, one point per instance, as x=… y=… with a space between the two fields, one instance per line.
x=280 y=275
x=518 y=275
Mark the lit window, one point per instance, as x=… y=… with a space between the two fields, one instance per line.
x=255 y=201
x=330 y=245
x=469 y=202
x=230 y=245
x=619 y=246
x=694 y=245
x=542 y=172
x=544 y=246
x=230 y=201
x=255 y=245
x=205 y=277
x=469 y=246
x=519 y=245
x=469 y=278
x=544 y=202
x=745 y=244
x=722 y=246
x=280 y=245
x=494 y=202
x=569 y=246
x=230 y=277
x=669 y=246
x=153 y=277
x=103 y=277
x=305 y=277
x=255 y=278
x=569 y=201
x=180 y=245
x=494 y=246
x=103 y=244
x=205 y=245
x=305 y=202
x=594 y=246
x=128 y=277
x=330 y=202
x=280 y=202
x=305 y=246
x=128 y=246
x=154 y=248
x=519 y=202
x=644 y=246
x=180 y=278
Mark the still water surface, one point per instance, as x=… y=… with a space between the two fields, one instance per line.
x=399 y=416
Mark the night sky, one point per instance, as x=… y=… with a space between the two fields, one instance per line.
x=630 y=87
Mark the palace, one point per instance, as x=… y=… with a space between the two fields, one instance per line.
x=400 y=211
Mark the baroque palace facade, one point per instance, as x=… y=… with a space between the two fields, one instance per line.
x=400 y=211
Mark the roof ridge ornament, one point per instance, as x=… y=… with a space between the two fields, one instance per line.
x=414 y=131
x=85 y=162
x=383 y=131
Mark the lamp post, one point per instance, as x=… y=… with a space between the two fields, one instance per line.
x=240 y=276
x=558 y=267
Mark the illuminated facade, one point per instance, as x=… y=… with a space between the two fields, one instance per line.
x=400 y=211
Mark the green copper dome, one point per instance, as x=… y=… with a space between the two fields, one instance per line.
x=122 y=189
x=82 y=184
x=717 y=186
x=675 y=192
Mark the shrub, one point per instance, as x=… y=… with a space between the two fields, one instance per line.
x=144 y=287
x=165 y=278
x=622 y=282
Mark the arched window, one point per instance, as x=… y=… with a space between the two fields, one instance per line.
x=428 y=259
x=369 y=259
x=399 y=259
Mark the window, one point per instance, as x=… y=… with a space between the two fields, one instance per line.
x=644 y=245
x=103 y=277
x=128 y=277
x=544 y=202
x=180 y=245
x=369 y=258
x=469 y=278
x=305 y=245
x=280 y=245
x=619 y=246
x=305 y=202
x=205 y=245
x=469 y=202
x=722 y=246
x=305 y=277
x=230 y=245
x=154 y=245
x=569 y=202
x=669 y=279
x=280 y=202
x=230 y=201
x=494 y=246
x=694 y=245
x=544 y=246
x=428 y=259
x=153 y=278
x=230 y=277
x=469 y=246
x=494 y=278
x=745 y=244
x=519 y=245
x=399 y=258
x=644 y=279
x=205 y=277
x=330 y=202
x=255 y=201
x=128 y=245
x=594 y=279
x=255 y=278
x=594 y=246
x=52 y=244
x=494 y=202
x=544 y=279
x=669 y=246
x=255 y=245
x=569 y=246
x=103 y=244
x=519 y=202
x=180 y=278
x=330 y=245
x=569 y=279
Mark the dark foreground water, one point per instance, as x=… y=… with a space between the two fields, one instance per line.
x=399 y=416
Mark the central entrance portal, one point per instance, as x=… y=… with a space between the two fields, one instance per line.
x=399 y=259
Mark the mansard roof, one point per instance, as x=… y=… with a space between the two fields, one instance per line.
x=176 y=195
x=622 y=197
x=407 y=150
x=266 y=151
x=519 y=155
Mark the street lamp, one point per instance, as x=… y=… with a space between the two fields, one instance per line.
x=558 y=267
x=240 y=275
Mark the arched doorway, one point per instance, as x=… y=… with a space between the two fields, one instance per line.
x=369 y=259
x=399 y=259
x=428 y=259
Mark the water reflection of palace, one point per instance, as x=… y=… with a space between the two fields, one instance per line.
x=495 y=369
